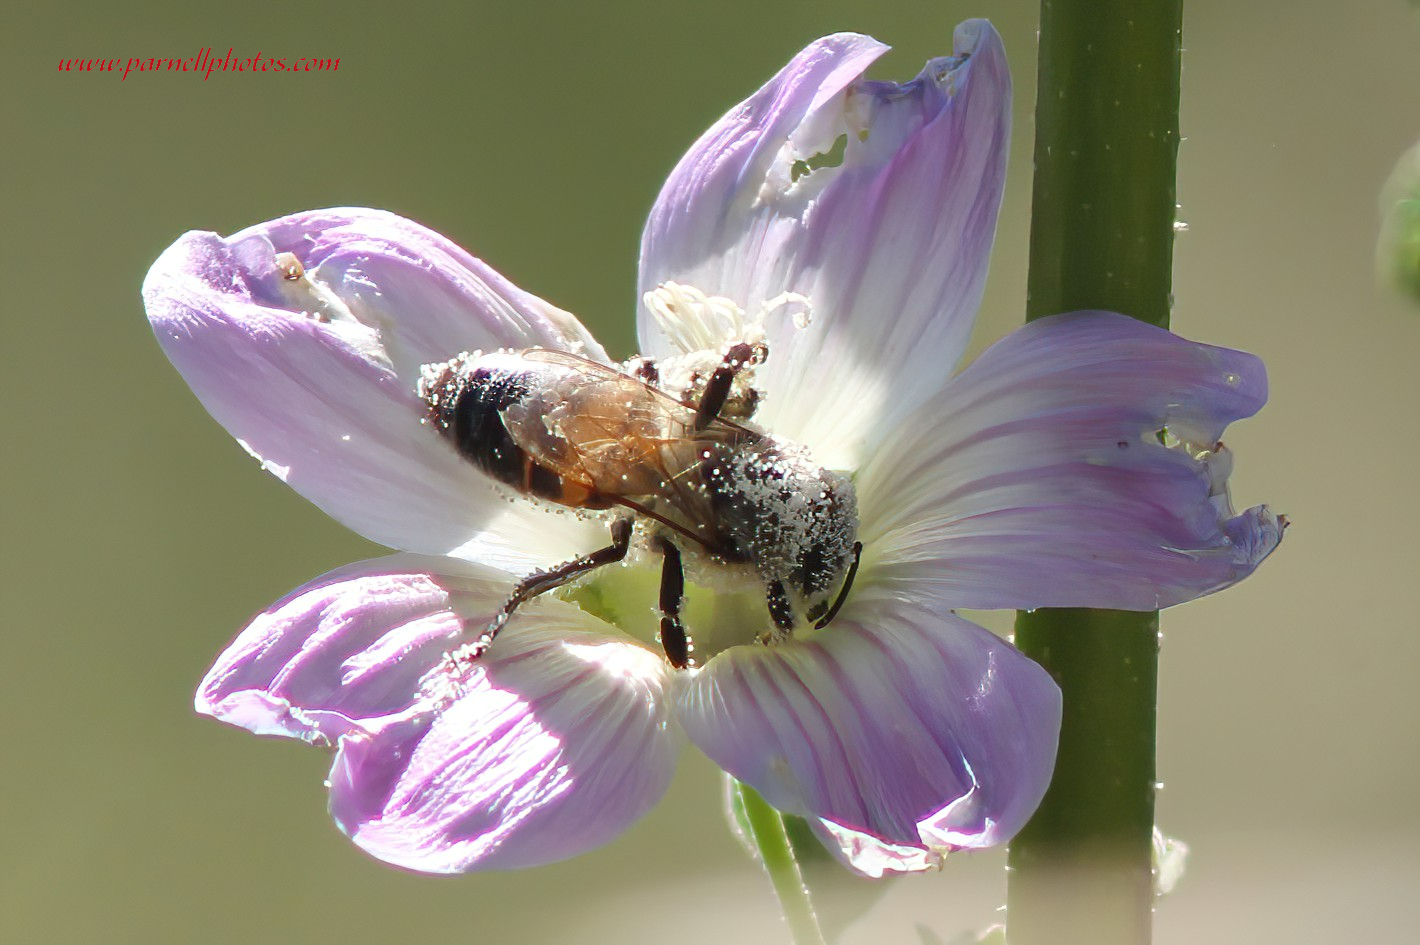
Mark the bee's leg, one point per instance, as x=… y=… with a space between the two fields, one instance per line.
x=540 y=582
x=717 y=389
x=780 y=610
x=673 y=636
x=843 y=591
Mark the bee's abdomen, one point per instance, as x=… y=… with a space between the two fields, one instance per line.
x=466 y=404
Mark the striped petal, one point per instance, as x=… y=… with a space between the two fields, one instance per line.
x=899 y=721
x=1075 y=463
x=304 y=336
x=350 y=648
x=552 y=743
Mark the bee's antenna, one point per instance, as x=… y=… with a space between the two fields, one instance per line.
x=847 y=583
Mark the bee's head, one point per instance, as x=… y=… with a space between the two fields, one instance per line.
x=796 y=521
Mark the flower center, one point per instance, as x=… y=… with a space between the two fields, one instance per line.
x=740 y=535
x=696 y=322
x=702 y=328
x=724 y=606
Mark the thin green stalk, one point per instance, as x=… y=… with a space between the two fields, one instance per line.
x=765 y=827
x=1101 y=238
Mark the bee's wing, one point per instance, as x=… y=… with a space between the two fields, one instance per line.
x=594 y=425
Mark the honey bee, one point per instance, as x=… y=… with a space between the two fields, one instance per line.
x=584 y=435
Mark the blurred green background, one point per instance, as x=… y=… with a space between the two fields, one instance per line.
x=137 y=537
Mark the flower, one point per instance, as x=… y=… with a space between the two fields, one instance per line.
x=845 y=225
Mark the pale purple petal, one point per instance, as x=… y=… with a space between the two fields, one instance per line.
x=1038 y=478
x=553 y=744
x=350 y=648
x=891 y=246
x=702 y=220
x=907 y=724
x=317 y=379
x=428 y=297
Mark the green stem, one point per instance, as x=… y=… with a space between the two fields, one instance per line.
x=766 y=830
x=1102 y=231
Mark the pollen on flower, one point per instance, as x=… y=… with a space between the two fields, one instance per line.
x=306 y=293
x=446 y=681
x=289 y=266
x=304 y=289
